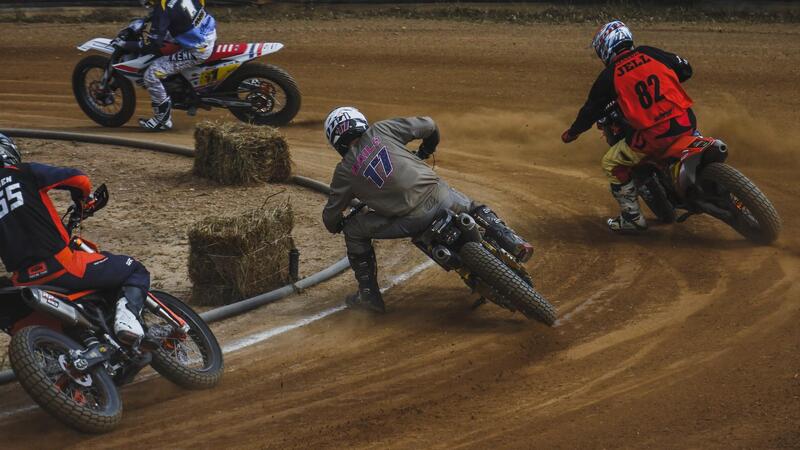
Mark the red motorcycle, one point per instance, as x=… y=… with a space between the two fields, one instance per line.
x=691 y=175
x=64 y=353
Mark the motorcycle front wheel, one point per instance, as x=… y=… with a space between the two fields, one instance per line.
x=508 y=283
x=110 y=106
x=192 y=360
x=87 y=401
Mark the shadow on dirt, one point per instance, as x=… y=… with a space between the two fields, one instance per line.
x=591 y=231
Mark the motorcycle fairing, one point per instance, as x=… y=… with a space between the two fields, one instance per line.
x=102 y=45
x=225 y=59
x=693 y=153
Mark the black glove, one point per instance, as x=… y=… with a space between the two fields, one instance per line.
x=339 y=226
x=425 y=151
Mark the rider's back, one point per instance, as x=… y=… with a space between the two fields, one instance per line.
x=30 y=229
x=383 y=174
x=186 y=20
x=648 y=90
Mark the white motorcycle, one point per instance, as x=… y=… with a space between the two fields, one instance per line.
x=256 y=93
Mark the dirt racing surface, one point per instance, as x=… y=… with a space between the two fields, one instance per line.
x=685 y=336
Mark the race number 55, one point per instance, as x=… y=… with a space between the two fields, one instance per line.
x=10 y=199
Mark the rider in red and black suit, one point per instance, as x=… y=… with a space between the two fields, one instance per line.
x=34 y=246
x=646 y=84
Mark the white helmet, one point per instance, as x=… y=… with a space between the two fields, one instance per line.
x=342 y=125
x=611 y=39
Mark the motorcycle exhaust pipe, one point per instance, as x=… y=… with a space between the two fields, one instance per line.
x=43 y=301
x=467 y=225
x=442 y=255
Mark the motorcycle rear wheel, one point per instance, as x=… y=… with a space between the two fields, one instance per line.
x=35 y=354
x=505 y=281
x=93 y=101
x=754 y=216
x=276 y=105
x=193 y=361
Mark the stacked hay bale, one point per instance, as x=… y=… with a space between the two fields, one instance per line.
x=236 y=153
x=233 y=258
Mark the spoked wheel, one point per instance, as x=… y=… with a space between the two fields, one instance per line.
x=507 y=283
x=87 y=401
x=271 y=92
x=754 y=217
x=110 y=106
x=193 y=359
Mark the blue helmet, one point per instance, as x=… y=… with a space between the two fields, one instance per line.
x=611 y=40
x=9 y=154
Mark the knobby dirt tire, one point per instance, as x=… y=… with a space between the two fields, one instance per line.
x=274 y=74
x=505 y=281
x=658 y=202
x=125 y=87
x=33 y=379
x=769 y=222
x=187 y=377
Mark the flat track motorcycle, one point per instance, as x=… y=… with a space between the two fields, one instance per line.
x=459 y=242
x=691 y=175
x=64 y=353
x=257 y=93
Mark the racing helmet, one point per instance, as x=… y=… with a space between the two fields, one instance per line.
x=146 y=3
x=9 y=154
x=343 y=125
x=612 y=39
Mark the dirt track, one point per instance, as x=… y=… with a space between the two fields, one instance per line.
x=685 y=336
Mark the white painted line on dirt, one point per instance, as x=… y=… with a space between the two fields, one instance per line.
x=20 y=410
x=268 y=334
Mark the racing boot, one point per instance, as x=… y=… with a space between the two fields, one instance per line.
x=127 y=325
x=369 y=293
x=162 y=117
x=499 y=232
x=631 y=219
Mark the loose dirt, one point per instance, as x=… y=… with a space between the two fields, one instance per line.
x=683 y=337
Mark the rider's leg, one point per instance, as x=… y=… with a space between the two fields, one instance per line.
x=495 y=228
x=162 y=68
x=109 y=271
x=617 y=164
x=361 y=229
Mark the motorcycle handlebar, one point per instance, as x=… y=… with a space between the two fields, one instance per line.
x=81 y=211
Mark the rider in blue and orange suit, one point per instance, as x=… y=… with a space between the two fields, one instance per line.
x=34 y=246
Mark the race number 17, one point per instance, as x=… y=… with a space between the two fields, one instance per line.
x=381 y=159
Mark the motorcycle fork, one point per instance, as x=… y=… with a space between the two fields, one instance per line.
x=155 y=305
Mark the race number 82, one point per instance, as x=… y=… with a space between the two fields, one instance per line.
x=10 y=199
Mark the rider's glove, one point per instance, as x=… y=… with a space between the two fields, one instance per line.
x=567 y=136
x=425 y=150
x=339 y=226
x=118 y=43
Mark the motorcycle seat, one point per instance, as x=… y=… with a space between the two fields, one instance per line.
x=223 y=51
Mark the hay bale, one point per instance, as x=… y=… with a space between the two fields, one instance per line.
x=233 y=258
x=237 y=153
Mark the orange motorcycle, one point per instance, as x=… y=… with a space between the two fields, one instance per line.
x=64 y=353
